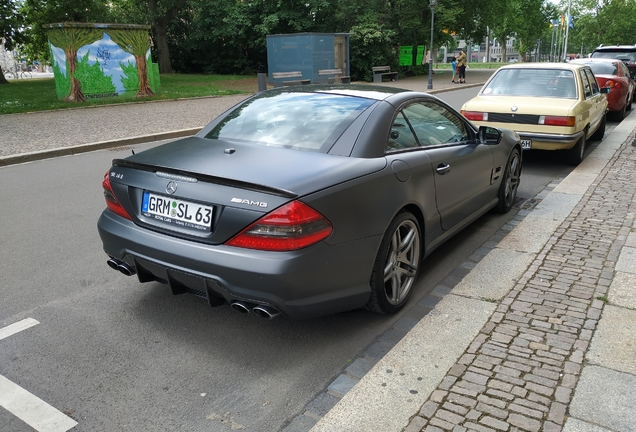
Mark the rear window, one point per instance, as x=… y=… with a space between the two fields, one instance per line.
x=300 y=121
x=532 y=82
x=629 y=56
x=603 y=68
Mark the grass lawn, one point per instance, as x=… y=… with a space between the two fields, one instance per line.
x=26 y=95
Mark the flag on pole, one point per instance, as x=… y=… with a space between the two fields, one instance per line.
x=562 y=22
x=570 y=21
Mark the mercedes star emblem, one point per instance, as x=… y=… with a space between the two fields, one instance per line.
x=171 y=187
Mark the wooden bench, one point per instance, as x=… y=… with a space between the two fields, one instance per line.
x=379 y=72
x=285 y=79
x=330 y=76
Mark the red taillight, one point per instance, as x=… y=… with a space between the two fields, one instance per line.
x=568 y=121
x=611 y=84
x=111 y=201
x=290 y=227
x=476 y=116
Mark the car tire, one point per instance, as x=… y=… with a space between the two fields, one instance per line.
x=510 y=182
x=629 y=104
x=620 y=114
x=576 y=154
x=396 y=265
x=600 y=132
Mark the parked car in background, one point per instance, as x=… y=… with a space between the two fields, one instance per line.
x=624 y=53
x=552 y=106
x=306 y=200
x=614 y=74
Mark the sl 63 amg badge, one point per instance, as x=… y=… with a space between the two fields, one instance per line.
x=249 y=202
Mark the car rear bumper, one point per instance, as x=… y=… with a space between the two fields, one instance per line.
x=551 y=141
x=616 y=104
x=319 y=280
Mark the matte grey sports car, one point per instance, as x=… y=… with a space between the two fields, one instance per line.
x=306 y=200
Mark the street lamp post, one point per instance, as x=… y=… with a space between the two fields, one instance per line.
x=432 y=5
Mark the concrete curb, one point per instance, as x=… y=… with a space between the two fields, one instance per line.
x=83 y=148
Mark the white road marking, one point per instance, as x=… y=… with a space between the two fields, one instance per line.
x=17 y=327
x=29 y=408
x=32 y=410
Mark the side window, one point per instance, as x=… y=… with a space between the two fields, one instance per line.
x=593 y=82
x=434 y=124
x=401 y=137
x=586 y=83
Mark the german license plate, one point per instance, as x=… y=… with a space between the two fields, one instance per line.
x=177 y=212
x=526 y=144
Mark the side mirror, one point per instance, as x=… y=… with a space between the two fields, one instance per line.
x=489 y=135
x=605 y=90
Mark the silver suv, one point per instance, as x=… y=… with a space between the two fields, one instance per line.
x=626 y=53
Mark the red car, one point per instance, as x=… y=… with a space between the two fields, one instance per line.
x=614 y=74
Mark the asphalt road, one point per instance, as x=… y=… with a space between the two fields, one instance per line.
x=113 y=354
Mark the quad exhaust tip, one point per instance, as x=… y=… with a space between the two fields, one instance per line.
x=265 y=312
x=242 y=307
x=121 y=266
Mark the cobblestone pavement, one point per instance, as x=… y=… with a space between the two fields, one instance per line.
x=520 y=372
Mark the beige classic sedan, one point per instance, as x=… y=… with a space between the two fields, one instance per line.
x=552 y=106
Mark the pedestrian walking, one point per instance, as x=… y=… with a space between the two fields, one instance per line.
x=454 y=67
x=461 y=64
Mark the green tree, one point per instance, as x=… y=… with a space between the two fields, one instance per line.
x=532 y=19
x=167 y=18
x=371 y=45
x=12 y=22
x=162 y=13
x=135 y=42
x=607 y=22
x=41 y=12
x=71 y=38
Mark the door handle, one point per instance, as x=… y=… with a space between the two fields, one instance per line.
x=443 y=168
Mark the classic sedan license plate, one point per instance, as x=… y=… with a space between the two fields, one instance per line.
x=526 y=144
x=177 y=212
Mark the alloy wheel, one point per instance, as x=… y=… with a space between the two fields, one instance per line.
x=402 y=260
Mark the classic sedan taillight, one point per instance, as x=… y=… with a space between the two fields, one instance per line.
x=475 y=115
x=569 y=121
x=290 y=227
x=111 y=200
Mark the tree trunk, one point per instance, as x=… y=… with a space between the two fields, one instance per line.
x=142 y=71
x=159 y=32
x=3 y=79
x=161 y=43
x=75 y=93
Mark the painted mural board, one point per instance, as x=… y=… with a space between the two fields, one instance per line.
x=101 y=60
